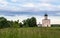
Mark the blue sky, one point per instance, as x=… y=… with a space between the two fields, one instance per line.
x=22 y=9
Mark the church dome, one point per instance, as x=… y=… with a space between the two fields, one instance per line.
x=45 y=15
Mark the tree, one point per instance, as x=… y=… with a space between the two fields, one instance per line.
x=30 y=22
x=33 y=22
x=24 y=23
x=21 y=25
x=3 y=23
x=15 y=24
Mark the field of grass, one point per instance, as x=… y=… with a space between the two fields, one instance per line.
x=33 y=32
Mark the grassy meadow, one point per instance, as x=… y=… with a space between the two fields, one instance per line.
x=31 y=32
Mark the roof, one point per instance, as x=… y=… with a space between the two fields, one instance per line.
x=46 y=15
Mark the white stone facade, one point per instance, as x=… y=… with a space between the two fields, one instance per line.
x=46 y=23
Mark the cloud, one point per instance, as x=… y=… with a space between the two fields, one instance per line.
x=14 y=0
x=32 y=6
x=41 y=7
x=3 y=4
x=44 y=1
x=28 y=5
x=50 y=1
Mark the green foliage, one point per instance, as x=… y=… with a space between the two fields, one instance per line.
x=33 y=22
x=3 y=23
x=25 y=24
x=30 y=22
x=20 y=24
x=14 y=24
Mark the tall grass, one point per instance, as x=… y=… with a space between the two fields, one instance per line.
x=34 y=32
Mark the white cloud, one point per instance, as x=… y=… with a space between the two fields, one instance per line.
x=49 y=1
x=28 y=5
x=14 y=0
x=44 y=1
x=39 y=7
x=4 y=5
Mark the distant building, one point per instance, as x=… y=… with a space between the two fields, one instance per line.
x=46 y=21
x=39 y=25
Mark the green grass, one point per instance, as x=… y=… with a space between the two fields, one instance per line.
x=53 y=32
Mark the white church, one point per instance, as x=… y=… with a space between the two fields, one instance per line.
x=45 y=22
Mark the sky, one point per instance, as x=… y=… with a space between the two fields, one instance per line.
x=23 y=9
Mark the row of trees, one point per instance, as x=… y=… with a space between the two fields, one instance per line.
x=29 y=22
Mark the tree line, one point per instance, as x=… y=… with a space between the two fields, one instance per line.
x=29 y=22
